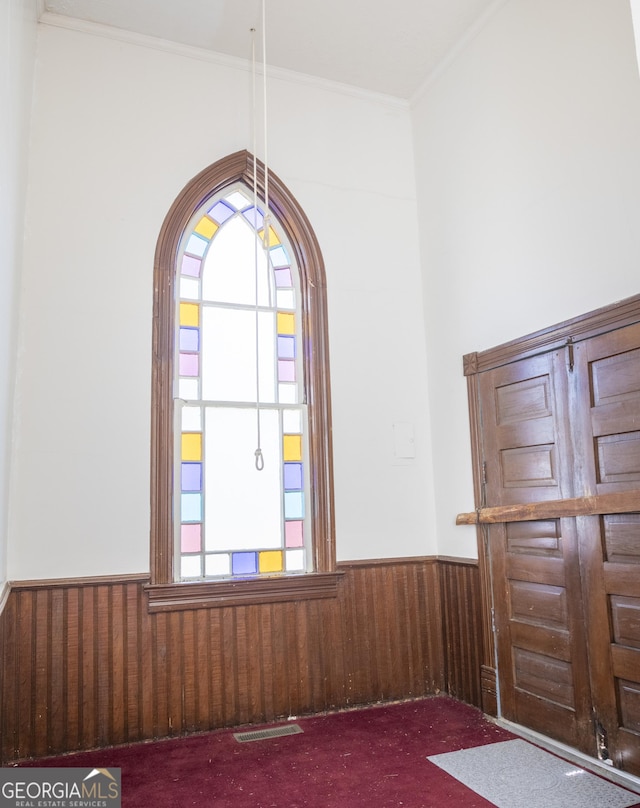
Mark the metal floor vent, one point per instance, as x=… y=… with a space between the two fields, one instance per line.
x=264 y=734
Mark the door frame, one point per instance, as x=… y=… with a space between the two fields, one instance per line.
x=562 y=335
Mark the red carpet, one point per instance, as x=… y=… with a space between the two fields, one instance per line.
x=370 y=758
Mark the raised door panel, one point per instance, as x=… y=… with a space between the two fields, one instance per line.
x=608 y=385
x=537 y=602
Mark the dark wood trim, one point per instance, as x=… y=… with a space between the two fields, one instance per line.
x=239 y=167
x=96 y=580
x=380 y=562
x=466 y=562
x=594 y=505
x=85 y=665
x=600 y=321
x=212 y=594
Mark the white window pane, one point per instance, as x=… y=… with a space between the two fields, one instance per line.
x=217 y=564
x=243 y=505
x=190 y=567
x=285 y=299
x=292 y=422
x=295 y=560
x=230 y=266
x=229 y=355
x=188 y=389
x=238 y=199
x=189 y=289
x=191 y=419
x=288 y=393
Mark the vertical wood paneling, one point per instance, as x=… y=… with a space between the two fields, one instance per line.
x=462 y=629
x=85 y=665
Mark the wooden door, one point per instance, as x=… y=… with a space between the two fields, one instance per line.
x=537 y=602
x=559 y=451
x=607 y=429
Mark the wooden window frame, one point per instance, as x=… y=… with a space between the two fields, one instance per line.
x=166 y=594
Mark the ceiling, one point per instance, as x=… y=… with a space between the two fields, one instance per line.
x=385 y=47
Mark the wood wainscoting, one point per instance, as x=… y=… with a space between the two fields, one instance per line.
x=83 y=664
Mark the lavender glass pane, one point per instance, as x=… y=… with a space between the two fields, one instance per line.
x=283 y=277
x=286 y=370
x=192 y=477
x=255 y=218
x=286 y=347
x=191 y=266
x=279 y=257
x=220 y=212
x=294 y=505
x=190 y=365
x=196 y=245
x=190 y=339
x=292 y=476
x=191 y=508
x=244 y=563
x=191 y=538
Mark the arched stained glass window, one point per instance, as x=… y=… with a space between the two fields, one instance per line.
x=241 y=455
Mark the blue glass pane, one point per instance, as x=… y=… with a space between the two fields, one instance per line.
x=294 y=505
x=244 y=563
x=254 y=217
x=196 y=245
x=279 y=257
x=191 y=508
x=286 y=347
x=220 y=212
x=292 y=476
x=191 y=476
x=189 y=339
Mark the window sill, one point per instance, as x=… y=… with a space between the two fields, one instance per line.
x=254 y=591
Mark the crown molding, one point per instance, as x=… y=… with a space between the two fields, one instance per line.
x=214 y=57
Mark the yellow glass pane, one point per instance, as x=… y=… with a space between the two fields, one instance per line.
x=189 y=314
x=273 y=237
x=292 y=447
x=286 y=323
x=206 y=227
x=270 y=561
x=191 y=446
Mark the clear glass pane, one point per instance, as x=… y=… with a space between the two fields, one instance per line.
x=292 y=421
x=233 y=481
x=230 y=267
x=294 y=505
x=189 y=289
x=279 y=257
x=229 y=355
x=285 y=299
x=192 y=419
x=295 y=560
x=238 y=200
x=288 y=393
x=191 y=508
x=217 y=564
x=188 y=389
x=196 y=245
x=190 y=567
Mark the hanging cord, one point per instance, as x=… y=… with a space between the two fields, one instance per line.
x=258 y=452
x=267 y=215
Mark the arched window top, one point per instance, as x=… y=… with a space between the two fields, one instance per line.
x=206 y=269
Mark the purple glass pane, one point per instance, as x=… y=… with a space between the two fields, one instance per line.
x=286 y=370
x=189 y=364
x=292 y=476
x=191 y=266
x=244 y=563
x=293 y=534
x=190 y=538
x=192 y=476
x=189 y=339
x=286 y=347
x=283 y=277
x=220 y=212
x=255 y=218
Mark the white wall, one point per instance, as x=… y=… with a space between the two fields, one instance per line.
x=119 y=128
x=528 y=168
x=17 y=51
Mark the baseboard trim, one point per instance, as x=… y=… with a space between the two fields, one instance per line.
x=624 y=779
